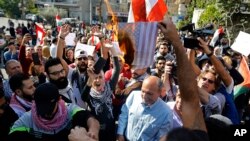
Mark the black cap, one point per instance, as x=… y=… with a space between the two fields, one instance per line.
x=46 y=96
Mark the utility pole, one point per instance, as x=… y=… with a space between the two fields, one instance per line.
x=90 y=11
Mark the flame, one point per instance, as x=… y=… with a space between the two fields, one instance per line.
x=124 y=40
x=114 y=20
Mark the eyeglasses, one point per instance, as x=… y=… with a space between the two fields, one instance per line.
x=57 y=72
x=82 y=58
x=209 y=80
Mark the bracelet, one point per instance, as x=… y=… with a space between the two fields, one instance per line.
x=210 y=54
x=61 y=37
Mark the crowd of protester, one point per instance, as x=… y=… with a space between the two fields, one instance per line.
x=56 y=92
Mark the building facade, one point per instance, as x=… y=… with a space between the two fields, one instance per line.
x=90 y=11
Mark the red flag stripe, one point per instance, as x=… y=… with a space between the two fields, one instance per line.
x=157 y=12
x=147 y=10
x=40 y=33
x=139 y=10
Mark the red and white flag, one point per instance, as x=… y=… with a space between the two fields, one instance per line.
x=40 y=33
x=58 y=18
x=143 y=35
x=147 y=10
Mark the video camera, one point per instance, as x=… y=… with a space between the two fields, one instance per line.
x=191 y=41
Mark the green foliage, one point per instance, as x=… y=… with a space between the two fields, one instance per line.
x=31 y=7
x=49 y=13
x=220 y=12
x=210 y=15
x=8 y=6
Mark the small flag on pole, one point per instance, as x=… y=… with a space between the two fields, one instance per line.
x=40 y=33
x=58 y=24
x=245 y=85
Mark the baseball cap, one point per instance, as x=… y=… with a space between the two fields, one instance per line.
x=46 y=96
x=80 y=53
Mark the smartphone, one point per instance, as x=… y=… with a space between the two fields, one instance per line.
x=99 y=65
x=191 y=43
x=36 y=59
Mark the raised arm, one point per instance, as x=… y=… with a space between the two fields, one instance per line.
x=191 y=57
x=219 y=68
x=192 y=116
x=116 y=69
x=64 y=31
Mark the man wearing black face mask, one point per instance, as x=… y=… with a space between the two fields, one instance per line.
x=23 y=88
x=51 y=118
x=7 y=117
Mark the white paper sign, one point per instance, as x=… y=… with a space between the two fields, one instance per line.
x=88 y=48
x=70 y=39
x=117 y=48
x=241 y=43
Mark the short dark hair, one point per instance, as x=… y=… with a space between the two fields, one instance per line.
x=160 y=58
x=50 y=63
x=16 y=81
x=185 y=134
x=217 y=129
x=54 y=40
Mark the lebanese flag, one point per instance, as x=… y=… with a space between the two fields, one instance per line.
x=216 y=37
x=245 y=85
x=147 y=10
x=58 y=18
x=40 y=33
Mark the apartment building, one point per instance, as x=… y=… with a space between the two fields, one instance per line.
x=90 y=11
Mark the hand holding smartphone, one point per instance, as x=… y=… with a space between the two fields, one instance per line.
x=36 y=59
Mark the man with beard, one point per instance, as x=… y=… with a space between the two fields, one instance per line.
x=7 y=117
x=78 y=76
x=23 y=88
x=164 y=51
x=160 y=65
x=57 y=75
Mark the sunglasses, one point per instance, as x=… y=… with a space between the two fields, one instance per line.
x=209 y=80
x=82 y=58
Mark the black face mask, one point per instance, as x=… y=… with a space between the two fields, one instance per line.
x=48 y=115
x=60 y=83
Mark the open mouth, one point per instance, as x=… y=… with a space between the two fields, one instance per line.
x=98 y=85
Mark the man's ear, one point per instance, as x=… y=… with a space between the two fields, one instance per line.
x=18 y=92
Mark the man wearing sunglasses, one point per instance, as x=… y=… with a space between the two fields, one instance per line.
x=216 y=93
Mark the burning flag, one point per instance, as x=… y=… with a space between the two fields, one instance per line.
x=147 y=10
x=141 y=36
